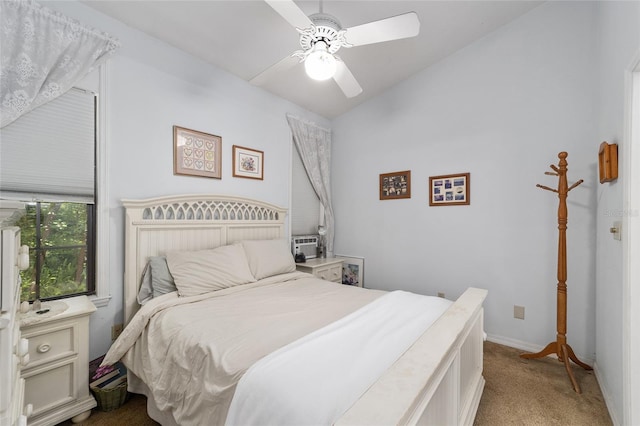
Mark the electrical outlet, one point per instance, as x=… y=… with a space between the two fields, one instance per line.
x=518 y=312
x=616 y=230
x=116 y=330
x=441 y=294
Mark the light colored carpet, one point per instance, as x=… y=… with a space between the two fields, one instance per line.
x=536 y=392
x=517 y=392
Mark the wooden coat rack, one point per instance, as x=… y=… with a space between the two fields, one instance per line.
x=560 y=347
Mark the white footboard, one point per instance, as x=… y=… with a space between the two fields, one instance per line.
x=438 y=381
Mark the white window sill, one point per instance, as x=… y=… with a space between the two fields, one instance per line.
x=100 y=301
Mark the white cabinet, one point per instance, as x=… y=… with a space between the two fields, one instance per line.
x=13 y=348
x=57 y=377
x=329 y=269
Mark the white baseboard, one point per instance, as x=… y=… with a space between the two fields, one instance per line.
x=606 y=394
x=528 y=347
x=513 y=343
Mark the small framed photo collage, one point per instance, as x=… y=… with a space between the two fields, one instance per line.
x=444 y=190
x=449 y=190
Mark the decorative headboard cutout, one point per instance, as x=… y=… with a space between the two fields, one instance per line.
x=210 y=210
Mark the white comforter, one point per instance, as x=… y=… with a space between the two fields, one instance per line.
x=191 y=352
x=314 y=380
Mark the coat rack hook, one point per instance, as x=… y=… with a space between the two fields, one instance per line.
x=547 y=188
x=575 y=184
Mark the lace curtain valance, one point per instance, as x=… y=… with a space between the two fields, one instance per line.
x=314 y=145
x=42 y=55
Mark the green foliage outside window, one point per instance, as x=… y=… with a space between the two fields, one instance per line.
x=56 y=234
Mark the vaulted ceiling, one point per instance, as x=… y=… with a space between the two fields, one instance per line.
x=246 y=37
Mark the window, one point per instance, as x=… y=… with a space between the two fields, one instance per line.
x=48 y=161
x=62 y=250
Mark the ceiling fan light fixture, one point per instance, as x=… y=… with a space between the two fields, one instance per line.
x=320 y=64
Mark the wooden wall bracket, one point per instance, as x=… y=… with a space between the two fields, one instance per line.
x=608 y=162
x=560 y=347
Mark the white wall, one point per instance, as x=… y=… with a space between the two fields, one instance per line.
x=618 y=44
x=151 y=87
x=501 y=109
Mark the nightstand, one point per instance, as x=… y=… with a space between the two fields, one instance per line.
x=57 y=376
x=329 y=268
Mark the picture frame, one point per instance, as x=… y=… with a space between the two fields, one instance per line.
x=450 y=190
x=352 y=270
x=248 y=163
x=395 y=185
x=196 y=153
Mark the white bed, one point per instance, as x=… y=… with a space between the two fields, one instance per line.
x=438 y=380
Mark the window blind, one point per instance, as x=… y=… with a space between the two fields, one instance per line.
x=48 y=154
x=305 y=204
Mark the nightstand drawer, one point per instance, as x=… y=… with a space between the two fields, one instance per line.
x=48 y=344
x=51 y=386
x=328 y=269
x=332 y=273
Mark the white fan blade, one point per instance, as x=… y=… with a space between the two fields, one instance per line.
x=283 y=65
x=394 y=28
x=290 y=12
x=346 y=81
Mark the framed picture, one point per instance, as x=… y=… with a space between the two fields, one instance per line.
x=449 y=190
x=248 y=163
x=352 y=270
x=196 y=153
x=395 y=185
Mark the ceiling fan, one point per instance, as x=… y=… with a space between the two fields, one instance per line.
x=321 y=36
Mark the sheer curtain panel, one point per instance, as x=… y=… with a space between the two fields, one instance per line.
x=42 y=55
x=305 y=204
x=314 y=146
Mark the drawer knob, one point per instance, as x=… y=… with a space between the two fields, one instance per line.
x=44 y=348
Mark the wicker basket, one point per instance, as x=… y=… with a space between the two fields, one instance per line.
x=111 y=398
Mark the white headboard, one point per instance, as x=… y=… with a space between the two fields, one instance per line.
x=155 y=226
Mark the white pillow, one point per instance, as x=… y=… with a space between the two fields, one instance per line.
x=268 y=257
x=197 y=272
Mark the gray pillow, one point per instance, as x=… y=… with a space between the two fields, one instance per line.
x=161 y=279
x=146 y=291
x=156 y=280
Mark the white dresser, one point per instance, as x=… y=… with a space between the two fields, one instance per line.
x=13 y=348
x=57 y=377
x=329 y=268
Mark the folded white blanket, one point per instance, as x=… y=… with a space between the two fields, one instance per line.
x=314 y=380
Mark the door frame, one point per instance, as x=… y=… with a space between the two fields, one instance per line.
x=631 y=246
